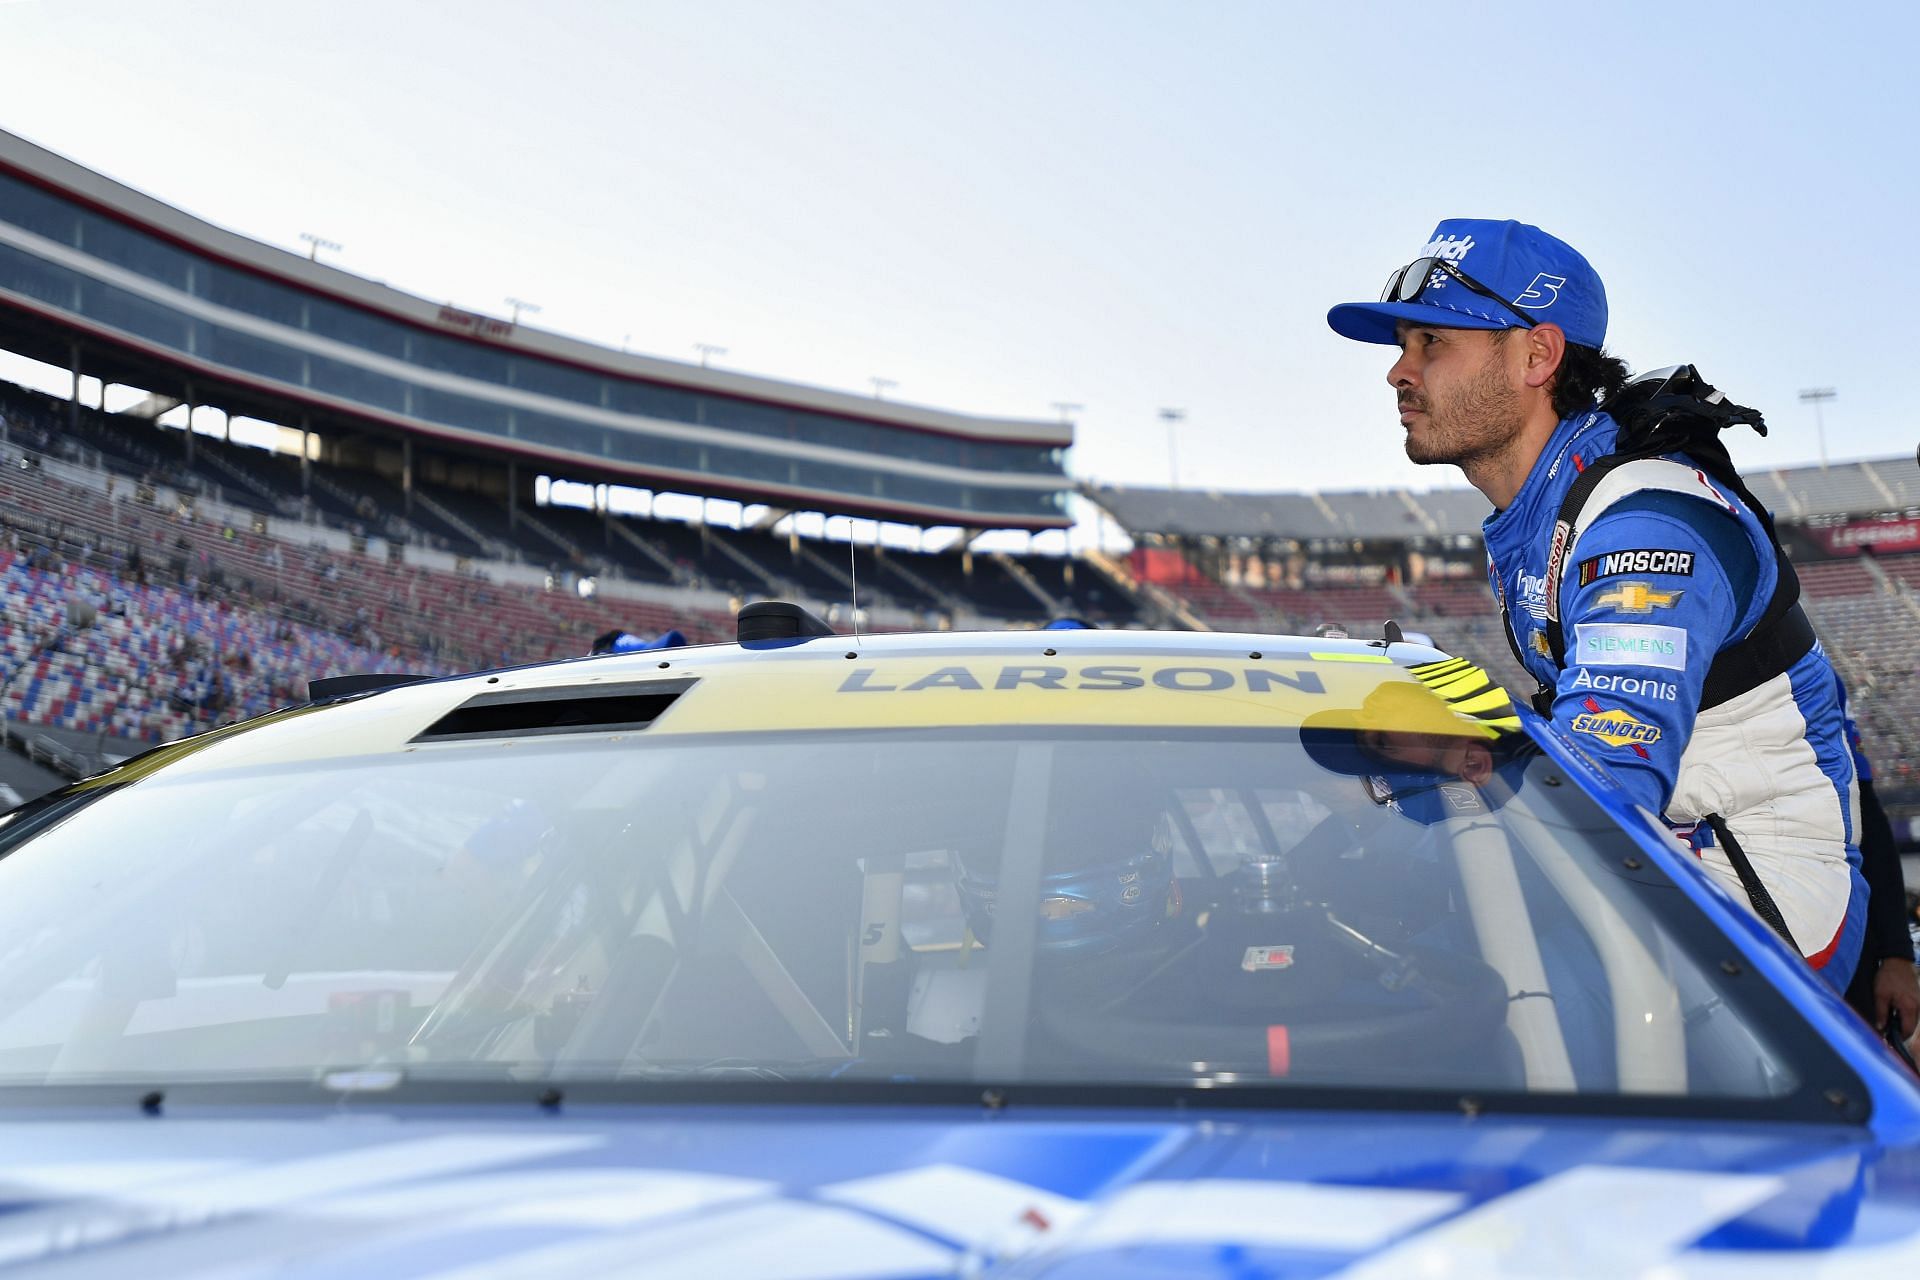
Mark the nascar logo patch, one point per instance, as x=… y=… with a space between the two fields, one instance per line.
x=1636 y=560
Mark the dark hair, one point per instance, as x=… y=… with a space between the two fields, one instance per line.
x=1587 y=376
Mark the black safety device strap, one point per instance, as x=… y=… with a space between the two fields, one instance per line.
x=1763 y=904
x=1779 y=639
x=1675 y=411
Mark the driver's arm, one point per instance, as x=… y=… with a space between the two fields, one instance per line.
x=1638 y=644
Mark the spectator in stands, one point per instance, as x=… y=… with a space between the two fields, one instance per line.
x=1713 y=705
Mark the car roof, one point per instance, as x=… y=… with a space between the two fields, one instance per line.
x=919 y=680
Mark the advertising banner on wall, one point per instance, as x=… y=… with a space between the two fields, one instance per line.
x=1884 y=536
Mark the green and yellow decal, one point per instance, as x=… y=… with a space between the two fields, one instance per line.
x=1470 y=692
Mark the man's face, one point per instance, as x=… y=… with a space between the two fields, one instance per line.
x=1459 y=394
x=1466 y=758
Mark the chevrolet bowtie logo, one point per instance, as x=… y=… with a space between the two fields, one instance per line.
x=1637 y=597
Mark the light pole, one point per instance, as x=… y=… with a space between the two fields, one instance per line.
x=881 y=386
x=707 y=351
x=316 y=243
x=1066 y=409
x=520 y=305
x=1817 y=396
x=1173 y=418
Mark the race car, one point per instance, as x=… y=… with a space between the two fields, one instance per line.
x=1050 y=954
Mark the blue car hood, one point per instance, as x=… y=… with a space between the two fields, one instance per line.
x=791 y=1193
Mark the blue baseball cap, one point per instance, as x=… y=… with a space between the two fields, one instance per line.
x=1541 y=275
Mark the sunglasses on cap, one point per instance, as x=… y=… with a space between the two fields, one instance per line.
x=1414 y=279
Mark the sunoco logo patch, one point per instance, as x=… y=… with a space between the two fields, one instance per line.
x=1616 y=728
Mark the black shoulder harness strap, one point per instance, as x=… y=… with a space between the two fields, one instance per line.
x=1674 y=411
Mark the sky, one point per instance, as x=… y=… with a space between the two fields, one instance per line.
x=1004 y=206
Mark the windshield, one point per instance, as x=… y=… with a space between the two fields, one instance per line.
x=1132 y=906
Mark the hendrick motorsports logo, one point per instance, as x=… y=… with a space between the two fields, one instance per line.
x=1452 y=248
x=1533 y=594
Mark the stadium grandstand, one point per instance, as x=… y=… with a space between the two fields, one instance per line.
x=1296 y=562
x=440 y=489
x=424 y=488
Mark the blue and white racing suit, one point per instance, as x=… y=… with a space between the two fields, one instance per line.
x=1663 y=571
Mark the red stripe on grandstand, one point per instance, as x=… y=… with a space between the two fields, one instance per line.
x=360 y=304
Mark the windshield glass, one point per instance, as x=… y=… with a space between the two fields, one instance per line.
x=1130 y=906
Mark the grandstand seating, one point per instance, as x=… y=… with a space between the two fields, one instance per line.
x=1834 y=578
x=1360 y=610
x=1870 y=487
x=1221 y=605
x=463 y=619
x=1867 y=609
x=565 y=539
x=1391 y=514
x=1211 y=513
x=1857 y=488
x=1454 y=511
x=156 y=662
x=205 y=618
x=1452 y=597
x=1874 y=641
x=204 y=615
x=1901 y=569
x=1081 y=589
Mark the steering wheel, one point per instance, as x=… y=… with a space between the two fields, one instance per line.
x=1469 y=1007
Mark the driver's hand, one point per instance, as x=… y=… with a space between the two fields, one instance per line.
x=1896 y=988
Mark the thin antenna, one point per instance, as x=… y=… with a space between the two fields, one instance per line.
x=853 y=569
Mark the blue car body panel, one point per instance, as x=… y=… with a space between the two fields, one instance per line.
x=374 y=1187
x=1895 y=1100
x=831 y=1191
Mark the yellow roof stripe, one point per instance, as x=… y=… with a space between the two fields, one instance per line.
x=1491 y=700
x=1464 y=683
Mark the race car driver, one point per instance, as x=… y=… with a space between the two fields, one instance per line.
x=1501 y=372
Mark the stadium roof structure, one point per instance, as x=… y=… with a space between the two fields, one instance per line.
x=109 y=282
x=1795 y=494
x=1875 y=485
x=1369 y=515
